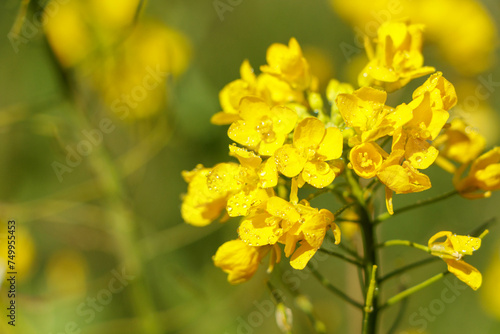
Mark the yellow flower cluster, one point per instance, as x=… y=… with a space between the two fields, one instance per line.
x=289 y=138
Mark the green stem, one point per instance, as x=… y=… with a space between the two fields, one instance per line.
x=408 y=292
x=404 y=243
x=369 y=307
x=370 y=254
x=408 y=267
x=341 y=256
x=418 y=204
x=333 y=289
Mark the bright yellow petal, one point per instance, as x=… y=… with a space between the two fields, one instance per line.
x=308 y=134
x=268 y=173
x=332 y=144
x=420 y=153
x=259 y=230
x=302 y=255
x=318 y=174
x=289 y=160
x=246 y=158
x=465 y=272
x=464 y=244
x=278 y=207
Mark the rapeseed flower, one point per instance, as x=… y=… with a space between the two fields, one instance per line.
x=452 y=251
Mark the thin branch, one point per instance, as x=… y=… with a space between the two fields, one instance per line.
x=418 y=204
x=408 y=292
x=341 y=256
x=333 y=289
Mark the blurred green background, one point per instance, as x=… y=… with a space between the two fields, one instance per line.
x=103 y=249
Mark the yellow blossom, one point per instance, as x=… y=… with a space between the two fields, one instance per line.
x=261 y=128
x=397 y=58
x=288 y=63
x=366 y=159
x=430 y=106
x=208 y=191
x=452 y=250
x=311 y=154
x=239 y=260
x=289 y=223
x=400 y=178
x=483 y=176
x=310 y=232
x=365 y=111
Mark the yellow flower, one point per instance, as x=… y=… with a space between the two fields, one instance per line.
x=452 y=251
x=459 y=142
x=333 y=89
x=310 y=232
x=261 y=128
x=430 y=106
x=311 y=154
x=288 y=63
x=365 y=111
x=208 y=192
x=288 y=223
x=231 y=95
x=253 y=176
x=366 y=159
x=484 y=175
x=397 y=59
x=239 y=260
x=402 y=179
x=268 y=223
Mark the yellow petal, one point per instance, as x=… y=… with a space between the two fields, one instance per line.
x=318 y=174
x=268 y=173
x=420 y=153
x=278 y=207
x=242 y=202
x=302 y=255
x=258 y=230
x=464 y=244
x=289 y=160
x=465 y=272
x=308 y=134
x=331 y=145
x=246 y=158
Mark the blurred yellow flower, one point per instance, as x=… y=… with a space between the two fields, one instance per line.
x=310 y=157
x=124 y=60
x=460 y=143
x=452 y=250
x=288 y=63
x=25 y=255
x=472 y=53
x=261 y=128
x=397 y=58
x=483 y=176
x=490 y=294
